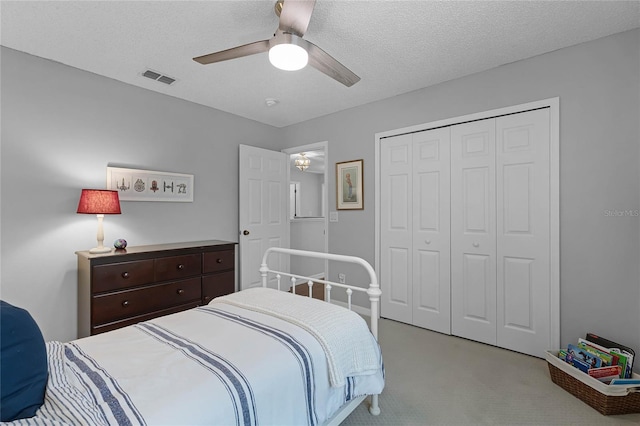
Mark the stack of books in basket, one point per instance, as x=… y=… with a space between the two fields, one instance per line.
x=599 y=372
x=601 y=359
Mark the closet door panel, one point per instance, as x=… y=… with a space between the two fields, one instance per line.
x=473 y=231
x=523 y=229
x=431 y=230
x=396 y=217
x=477 y=288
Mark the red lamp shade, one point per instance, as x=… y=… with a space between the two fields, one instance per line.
x=99 y=201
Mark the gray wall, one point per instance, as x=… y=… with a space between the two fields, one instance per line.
x=60 y=128
x=599 y=88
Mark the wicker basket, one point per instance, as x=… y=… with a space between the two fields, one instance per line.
x=605 y=399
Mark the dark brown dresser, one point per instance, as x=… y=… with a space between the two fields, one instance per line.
x=124 y=287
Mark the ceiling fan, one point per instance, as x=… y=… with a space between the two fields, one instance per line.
x=287 y=42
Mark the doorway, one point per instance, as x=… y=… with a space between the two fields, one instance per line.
x=308 y=218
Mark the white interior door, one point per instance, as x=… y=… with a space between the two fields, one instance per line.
x=431 y=233
x=473 y=236
x=263 y=215
x=396 y=215
x=523 y=232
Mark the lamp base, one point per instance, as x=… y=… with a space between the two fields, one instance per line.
x=100 y=250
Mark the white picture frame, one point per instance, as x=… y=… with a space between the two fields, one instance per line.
x=150 y=185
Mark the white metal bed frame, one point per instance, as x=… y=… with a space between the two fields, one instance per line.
x=373 y=291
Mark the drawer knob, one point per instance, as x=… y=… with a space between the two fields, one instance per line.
x=180 y=291
x=219 y=261
x=125 y=275
x=125 y=303
x=180 y=267
x=207 y=298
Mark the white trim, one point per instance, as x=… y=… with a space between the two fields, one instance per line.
x=355 y=308
x=554 y=195
x=554 y=219
x=307 y=219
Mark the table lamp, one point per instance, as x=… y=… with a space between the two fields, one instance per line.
x=99 y=202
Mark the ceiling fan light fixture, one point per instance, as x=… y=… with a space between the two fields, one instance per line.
x=288 y=57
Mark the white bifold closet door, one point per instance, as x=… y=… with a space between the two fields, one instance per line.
x=523 y=232
x=473 y=231
x=500 y=231
x=465 y=230
x=415 y=229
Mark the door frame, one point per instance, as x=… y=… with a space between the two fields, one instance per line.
x=554 y=191
x=317 y=146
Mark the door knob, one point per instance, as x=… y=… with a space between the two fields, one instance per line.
x=245 y=232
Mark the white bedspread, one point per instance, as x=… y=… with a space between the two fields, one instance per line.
x=213 y=365
x=350 y=348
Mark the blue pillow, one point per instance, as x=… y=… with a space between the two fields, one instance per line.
x=23 y=364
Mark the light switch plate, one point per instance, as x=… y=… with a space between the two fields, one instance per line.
x=333 y=216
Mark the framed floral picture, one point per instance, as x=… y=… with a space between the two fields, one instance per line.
x=349 y=185
x=150 y=185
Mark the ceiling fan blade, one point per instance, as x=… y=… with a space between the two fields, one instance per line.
x=295 y=16
x=323 y=62
x=234 y=52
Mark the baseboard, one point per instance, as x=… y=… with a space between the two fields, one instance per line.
x=355 y=308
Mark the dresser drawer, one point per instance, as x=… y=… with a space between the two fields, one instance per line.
x=121 y=275
x=123 y=304
x=217 y=285
x=176 y=267
x=215 y=261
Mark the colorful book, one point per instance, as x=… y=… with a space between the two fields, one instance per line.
x=606 y=374
x=570 y=358
x=614 y=356
x=625 y=382
x=622 y=351
x=606 y=358
x=583 y=355
x=618 y=359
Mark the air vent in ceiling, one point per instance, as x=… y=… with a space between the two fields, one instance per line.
x=158 y=77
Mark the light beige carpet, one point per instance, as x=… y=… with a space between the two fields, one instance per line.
x=434 y=379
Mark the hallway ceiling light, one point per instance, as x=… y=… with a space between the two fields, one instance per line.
x=302 y=162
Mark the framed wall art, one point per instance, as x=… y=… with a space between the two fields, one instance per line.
x=349 y=185
x=150 y=185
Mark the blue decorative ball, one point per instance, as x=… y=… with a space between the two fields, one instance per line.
x=120 y=243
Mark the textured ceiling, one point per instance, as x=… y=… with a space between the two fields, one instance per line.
x=394 y=46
